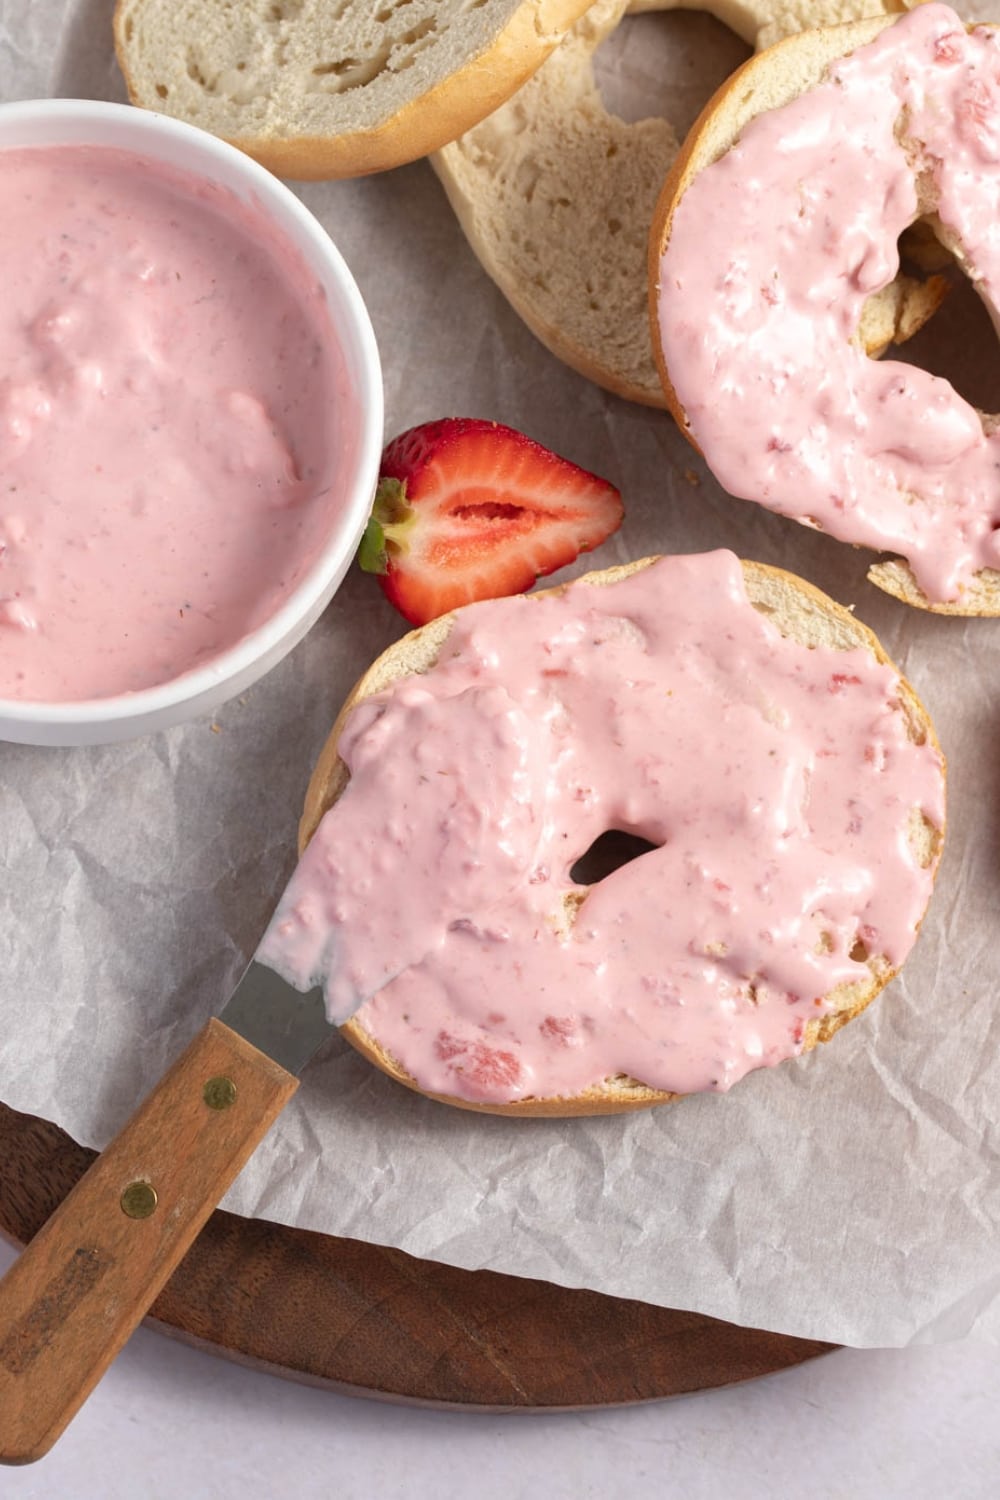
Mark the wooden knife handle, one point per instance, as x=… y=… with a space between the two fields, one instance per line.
x=90 y=1274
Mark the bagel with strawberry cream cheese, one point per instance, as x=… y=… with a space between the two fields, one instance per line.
x=751 y=730
x=780 y=217
x=555 y=194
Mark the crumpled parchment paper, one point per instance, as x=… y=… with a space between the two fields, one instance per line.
x=853 y=1195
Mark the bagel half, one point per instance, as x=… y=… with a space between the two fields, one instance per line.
x=555 y=195
x=800 y=612
x=766 y=82
x=316 y=90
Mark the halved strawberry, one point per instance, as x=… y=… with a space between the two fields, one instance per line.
x=468 y=509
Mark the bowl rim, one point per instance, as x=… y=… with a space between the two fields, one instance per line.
x=305 y=602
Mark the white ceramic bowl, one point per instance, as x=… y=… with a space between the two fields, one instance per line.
x=98 y=721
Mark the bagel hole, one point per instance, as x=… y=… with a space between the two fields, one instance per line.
x=681 y=57
x=959 y=341
x=608 y=853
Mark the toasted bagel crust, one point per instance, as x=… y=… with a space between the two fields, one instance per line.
x=158 y=44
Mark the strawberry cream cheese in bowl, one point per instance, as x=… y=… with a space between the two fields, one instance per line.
x=190 y=421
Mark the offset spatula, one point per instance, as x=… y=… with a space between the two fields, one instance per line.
x=88 y=1277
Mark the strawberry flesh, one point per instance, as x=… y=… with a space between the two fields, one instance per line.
x=478 y=511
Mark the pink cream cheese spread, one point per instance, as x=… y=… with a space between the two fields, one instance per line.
x=778 y=783
x=166 y=390
x=774 y=249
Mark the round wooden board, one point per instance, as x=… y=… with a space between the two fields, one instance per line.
x=375 y=1322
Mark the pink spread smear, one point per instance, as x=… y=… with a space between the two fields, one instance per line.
x=777 y=781
x=167 y=383
x=774 y=249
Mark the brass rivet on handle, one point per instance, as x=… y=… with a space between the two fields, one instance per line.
x=219 y=1093
x=138 y=1200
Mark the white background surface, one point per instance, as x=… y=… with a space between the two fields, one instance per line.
x=169 y=1423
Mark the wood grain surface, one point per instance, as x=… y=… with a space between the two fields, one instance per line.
x=357 y=1317
x=115 y=1236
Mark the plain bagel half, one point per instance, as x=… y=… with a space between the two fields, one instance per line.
x=784 y=77
x=555 y=195
x=801 y=613
x=318 y=90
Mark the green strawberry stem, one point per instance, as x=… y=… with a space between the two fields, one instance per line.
x=389 y=526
